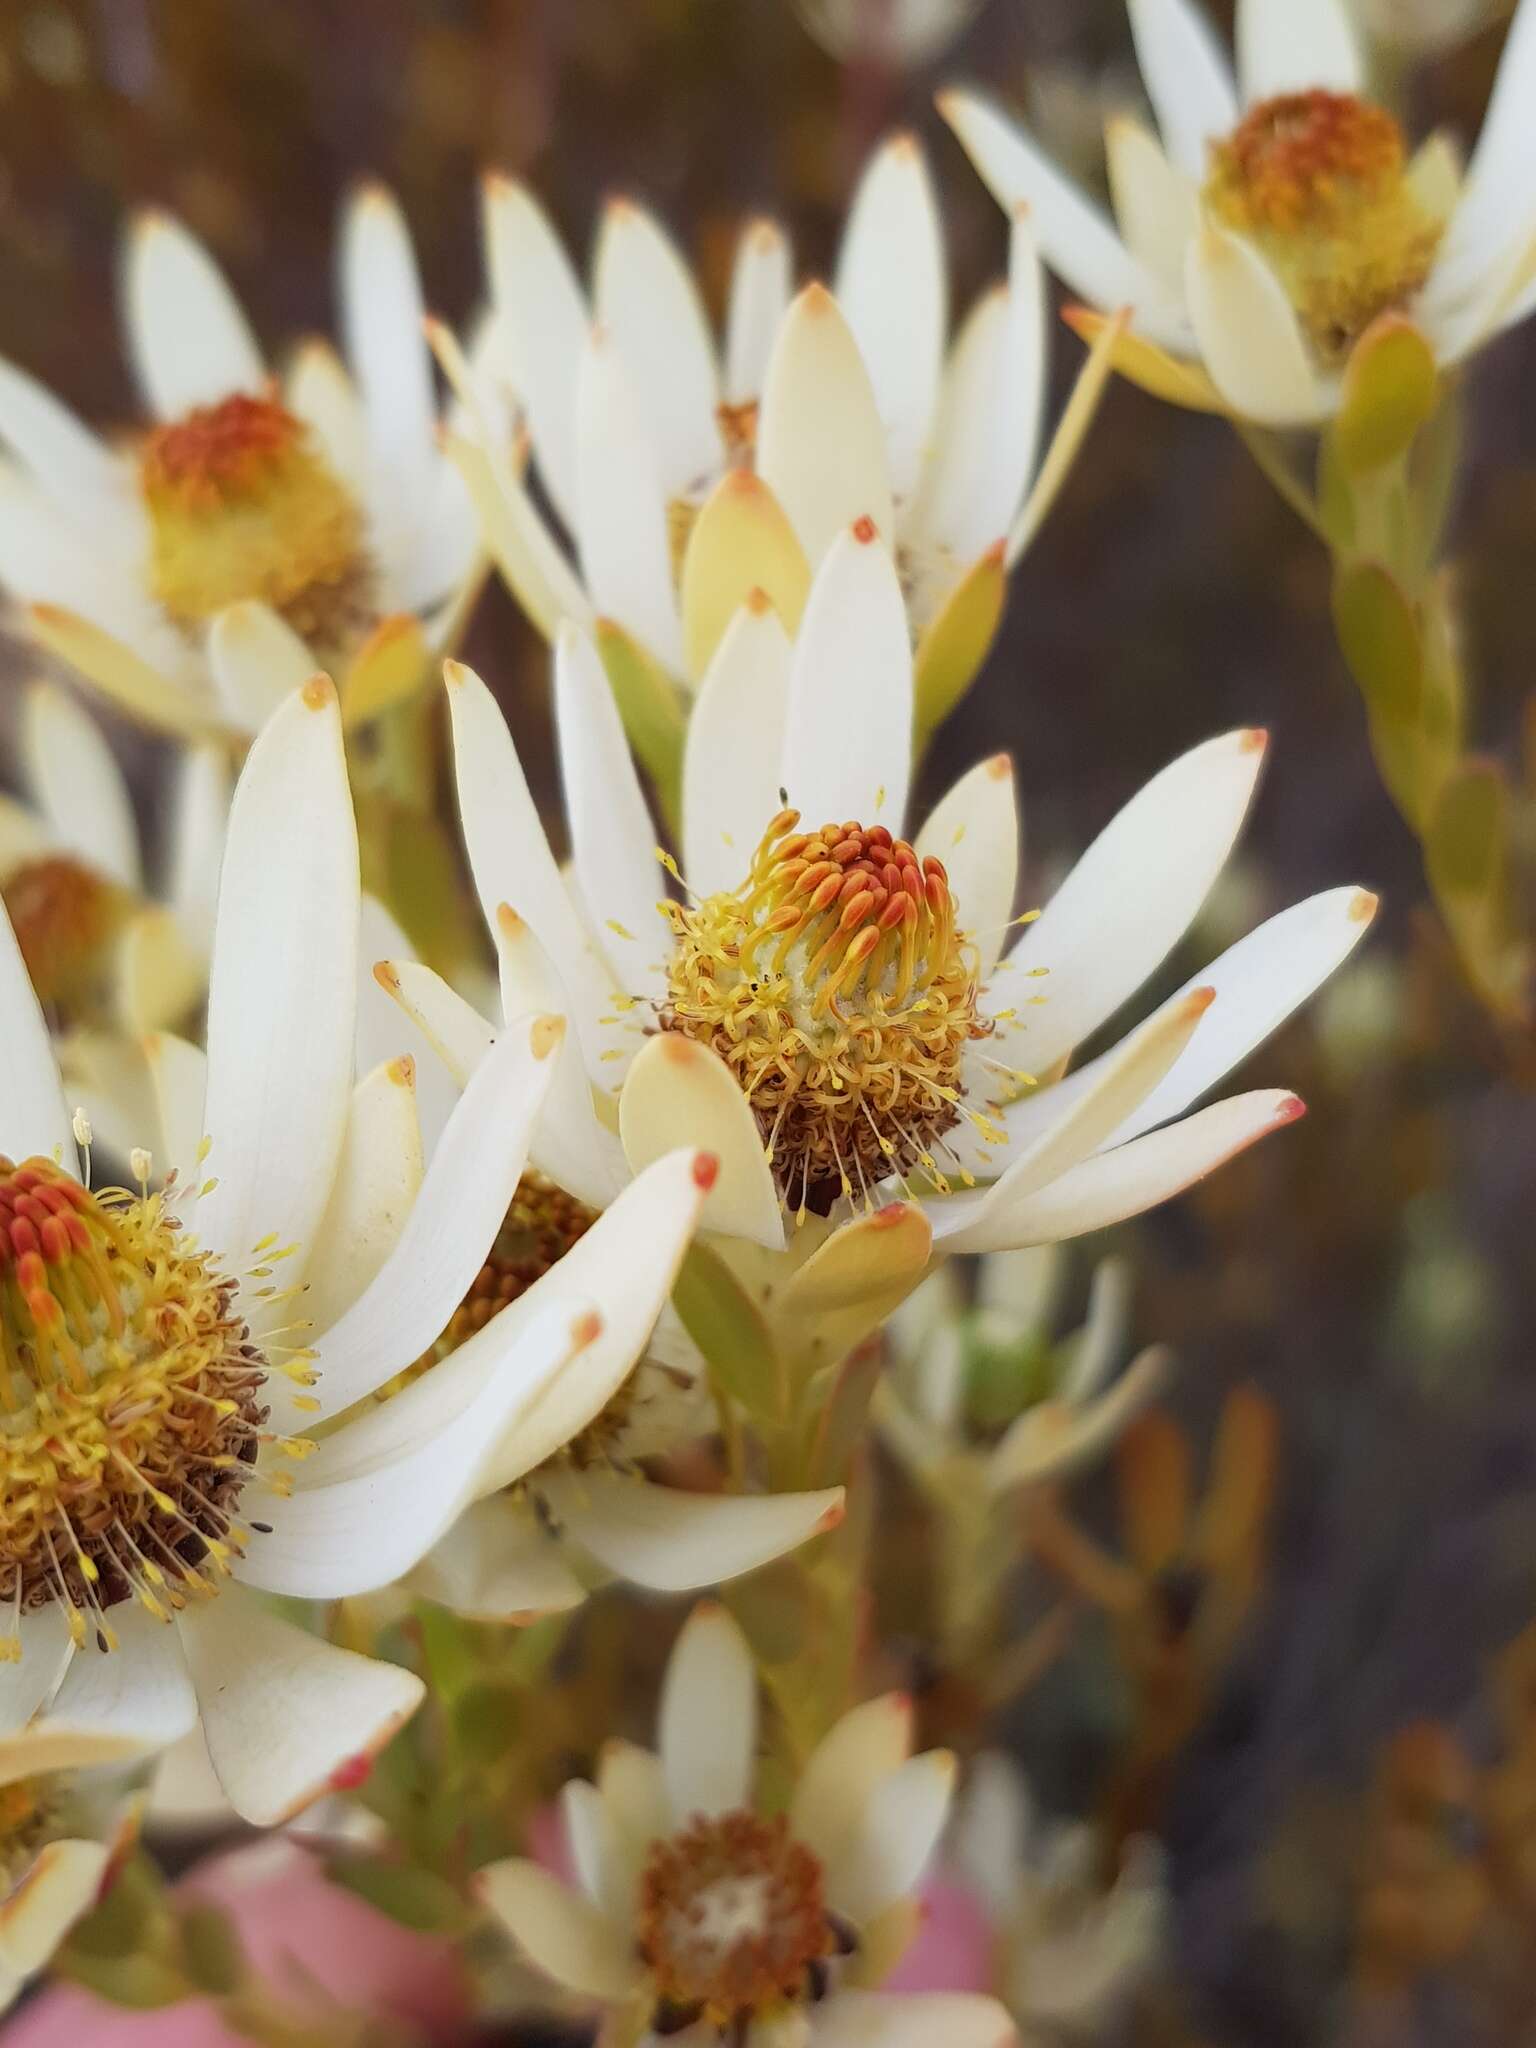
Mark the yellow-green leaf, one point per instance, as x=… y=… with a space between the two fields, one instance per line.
x=1391 y=387
x=956 y=642
x=723 y=1320
x=652 y=712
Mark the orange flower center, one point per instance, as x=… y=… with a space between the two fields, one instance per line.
x=65 y=916
x=733 y=1922
x=242 y=504
x=836 y=986
x=1321 y=182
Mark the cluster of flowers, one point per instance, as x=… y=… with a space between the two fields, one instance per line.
x=420 y=1280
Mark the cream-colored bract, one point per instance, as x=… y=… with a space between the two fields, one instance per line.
x=1213 y=325
x=76 y=534
x=298 y=1156
x=829 y=721
x=682 y=475
x=864 y=1818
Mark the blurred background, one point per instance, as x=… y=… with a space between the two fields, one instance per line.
x=1369 y=1272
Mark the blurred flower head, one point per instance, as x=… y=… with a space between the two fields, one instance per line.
x=260 y=529
x=683 y=477
x=1277 y=219
x=697 y=1910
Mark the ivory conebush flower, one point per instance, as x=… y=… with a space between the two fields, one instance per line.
x=257 y=529
x=160 y=1350
x=682 y=476
x=1277 y=215
x=700 y=1918
x=874 y=1079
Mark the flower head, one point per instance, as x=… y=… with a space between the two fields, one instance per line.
x=257 y=529
x=687 y=476
x=1277 y=217
x=177 y=1427
x=847 y=1057
x=699 y=1910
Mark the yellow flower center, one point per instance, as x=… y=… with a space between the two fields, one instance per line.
x=837 y=988
x=1321 y=183
x=242 y=505
x=65 y=917
x=130 y=1406
x=733 y=1923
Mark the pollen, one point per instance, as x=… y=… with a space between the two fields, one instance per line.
x=129 y=1405
x=242 y=504
x=733 y=1923
x=1322 y=184
x=65 y=916
x=837 y=987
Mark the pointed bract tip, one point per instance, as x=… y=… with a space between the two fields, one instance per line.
x=903 y=143
x=675 y=1046
x=1000 y=767
x=892 y=1215
x=864 y=529
x=1199 y=1000
x=1291 y=1110
x=832 y=1516
x=816 y=298
x=319 y=693
x=619 y=208
x=1021 y=210
x=353 y=1773
x=455 y=674
x=510 y=921
x=997 y=554
x=372 y=195
x=385 y=974
x=497 y=184
x=765 y=233
x=545 y=1035
x=1363 y=906
x=402 y=1071
x=1253 y=739
x=587 y=1328
x=706 y=1170
x=758 y=601
x=950 y=102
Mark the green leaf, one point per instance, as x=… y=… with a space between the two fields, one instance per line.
x=1391 y=387
x=652 y=710
x=1466 y=851
x=1378 y=632
x=413 y=1897
x=724 y=1321
x=210 y=1950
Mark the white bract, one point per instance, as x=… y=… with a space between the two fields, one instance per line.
x=699 y=1919
x=257 y=530
x=156 y=1348
x=1073 y=1953
x=857 y=1064
x=1277 y=215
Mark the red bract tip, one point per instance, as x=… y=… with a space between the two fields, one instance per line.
x=706 y=1170
x=864 y=529
x=356 y=1771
